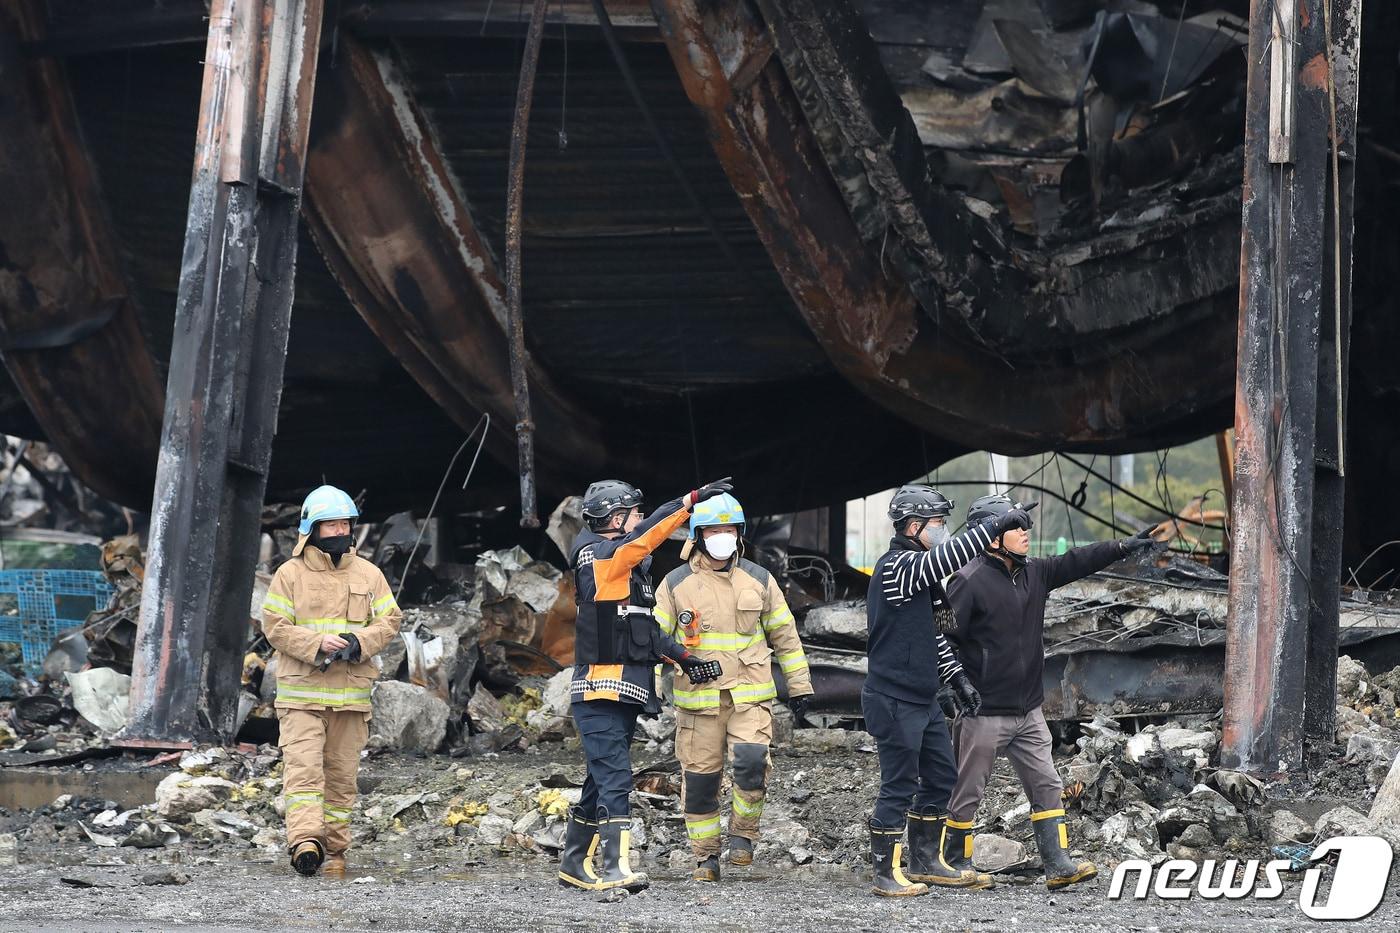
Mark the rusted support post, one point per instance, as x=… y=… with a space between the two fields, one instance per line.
x=231 y=319
x=515 y=194
x=1283 y=616
x=1342 y=32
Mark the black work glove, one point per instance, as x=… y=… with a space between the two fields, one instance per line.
x=799 y=706
x=349 y=654
x=948 y=701
x=699 y=672
x=708 y=491
x=968 y=697
x=1143 y=539
x=1019 y=517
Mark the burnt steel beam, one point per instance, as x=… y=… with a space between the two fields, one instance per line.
x=408 y=253
x=1343 y=33
x=1282 y=635
x=910 y=296
x=70 y=328
x=79 y=27
x=515 y=206
x=233 y=309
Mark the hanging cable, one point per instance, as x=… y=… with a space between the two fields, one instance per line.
x=483 y=422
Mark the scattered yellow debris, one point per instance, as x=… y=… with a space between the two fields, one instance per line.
x=465 y=813
x=551 y=802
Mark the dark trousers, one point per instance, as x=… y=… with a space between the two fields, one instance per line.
x=606 y=728
x=917 y=768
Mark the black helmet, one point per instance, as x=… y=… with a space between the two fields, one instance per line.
x=607 y=496
x=916 y=501
x=985 y=507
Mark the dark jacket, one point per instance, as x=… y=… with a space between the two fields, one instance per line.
x=617 y=641
x=908 y=655
x=1000 y=634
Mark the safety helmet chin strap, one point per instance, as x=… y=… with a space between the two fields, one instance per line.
x=1001 y=551
x=915 y=536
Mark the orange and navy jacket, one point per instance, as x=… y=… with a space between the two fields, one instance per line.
x=612 y=583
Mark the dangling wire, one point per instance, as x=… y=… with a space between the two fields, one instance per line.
x=483 y=425
x=1064 y=497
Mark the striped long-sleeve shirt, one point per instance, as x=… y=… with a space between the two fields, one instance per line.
x=909 y=656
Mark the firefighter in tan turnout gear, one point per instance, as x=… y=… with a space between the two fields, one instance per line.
x=327 y=612
x=725 y=608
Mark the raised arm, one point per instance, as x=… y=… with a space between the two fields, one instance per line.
x=910 y=573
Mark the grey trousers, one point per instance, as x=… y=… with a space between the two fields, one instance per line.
x=1024 y=740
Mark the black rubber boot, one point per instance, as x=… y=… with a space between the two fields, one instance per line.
x=885 y=852
x=576 y=859
x=1052 y=838
x=615 y=840
x=926 y=854
x=307 y=857
x=706 y=869
x=957 y=844
x=740 y=850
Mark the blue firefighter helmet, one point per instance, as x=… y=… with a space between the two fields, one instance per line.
x=324 y=504
x=723 y=509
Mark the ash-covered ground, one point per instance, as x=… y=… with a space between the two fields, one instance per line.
x=470 y=843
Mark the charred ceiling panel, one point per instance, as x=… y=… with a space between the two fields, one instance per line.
x=611 y=242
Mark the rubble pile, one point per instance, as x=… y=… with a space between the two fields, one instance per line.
x=473 y=758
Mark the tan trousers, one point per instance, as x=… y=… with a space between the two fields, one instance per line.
x=1024 y=740
x=703 y=741
x=320 y=758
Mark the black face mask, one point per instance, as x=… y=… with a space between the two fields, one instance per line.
x=335 y=546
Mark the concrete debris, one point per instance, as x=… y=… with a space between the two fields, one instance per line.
x=9 y=850
x=1286 y=827
x=1350 y=722
x=992 y=853
x=1351 y=679
x=485 y=711
x=1206 y=808
x=1343 y=821
x=515 y=573
x=837 y=623
x=1385 y=809
x=181 y=795
x=407 y=717
x=171 y=877
x=555 y=695
x=1132 y=831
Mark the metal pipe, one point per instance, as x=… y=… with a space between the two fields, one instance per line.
x=515 y=193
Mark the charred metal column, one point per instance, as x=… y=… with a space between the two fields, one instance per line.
x=515 y=194
x=1342 y=32
x=1283 y=614
x=226 y=362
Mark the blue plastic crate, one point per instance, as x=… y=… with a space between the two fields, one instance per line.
x=42 y=614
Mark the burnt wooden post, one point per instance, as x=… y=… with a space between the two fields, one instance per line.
x=1295 y=278
x=230 y=344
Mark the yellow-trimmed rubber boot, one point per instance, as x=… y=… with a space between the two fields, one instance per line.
x=615 y=841
x=926 y=862
x=957 y=843
x=576 y=858
x=1052 y=838
x=740 y=850
x=886 y=849
x=307 y=857
x=334 y=864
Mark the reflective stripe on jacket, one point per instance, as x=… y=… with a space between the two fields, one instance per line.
x=311 y=597
x=744 y=623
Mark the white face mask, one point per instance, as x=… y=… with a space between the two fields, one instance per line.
x=722 y=546
x=935 y=535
